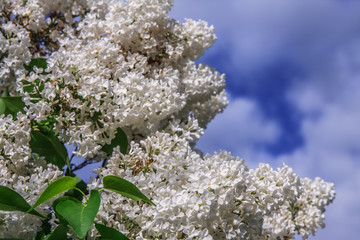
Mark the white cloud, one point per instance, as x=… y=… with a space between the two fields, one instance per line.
x=240 y=129
x=259 y=33
x=332 y=151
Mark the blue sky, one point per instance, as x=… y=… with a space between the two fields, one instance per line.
x=293 y=78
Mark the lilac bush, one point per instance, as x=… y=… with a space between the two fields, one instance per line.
x=87 y=71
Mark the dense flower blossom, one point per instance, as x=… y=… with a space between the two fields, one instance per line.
x=126 y=64
x=23 y=172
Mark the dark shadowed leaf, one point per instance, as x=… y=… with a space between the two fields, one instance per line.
x=11 y=105
x=38 y=62
x=60 y=233
x=2 y=107
x=11 y=239
x=45 y=228
x=120 y=139
x=49 y=147
x=108 y=233
x=6 y=93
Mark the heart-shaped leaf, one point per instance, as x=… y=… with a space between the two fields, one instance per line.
x=125 y=188
x=12 y=201
x=59 y=200
x=120 y=139
x=80 y=216
x=108 y=233
x=58 y=186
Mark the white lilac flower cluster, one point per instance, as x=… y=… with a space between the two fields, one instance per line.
x=211 y=197
x=125 y=64
x=23 y=172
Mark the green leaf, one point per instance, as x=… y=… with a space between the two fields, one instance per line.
x=125 y=188
x=64 y=198
x=58 y=186
x=80 y=216
x=14 y=103
x=59 y=200
x=12 y=201
x=80 y=184
x=60 y=233
x=38 y=62
x=11 y=105
x=49 y=147
x=120 y=139
x=6 y=93
x=2 y=107
x=33 y=88
x=11 y=239
x=27 y=86
x=108 y=233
